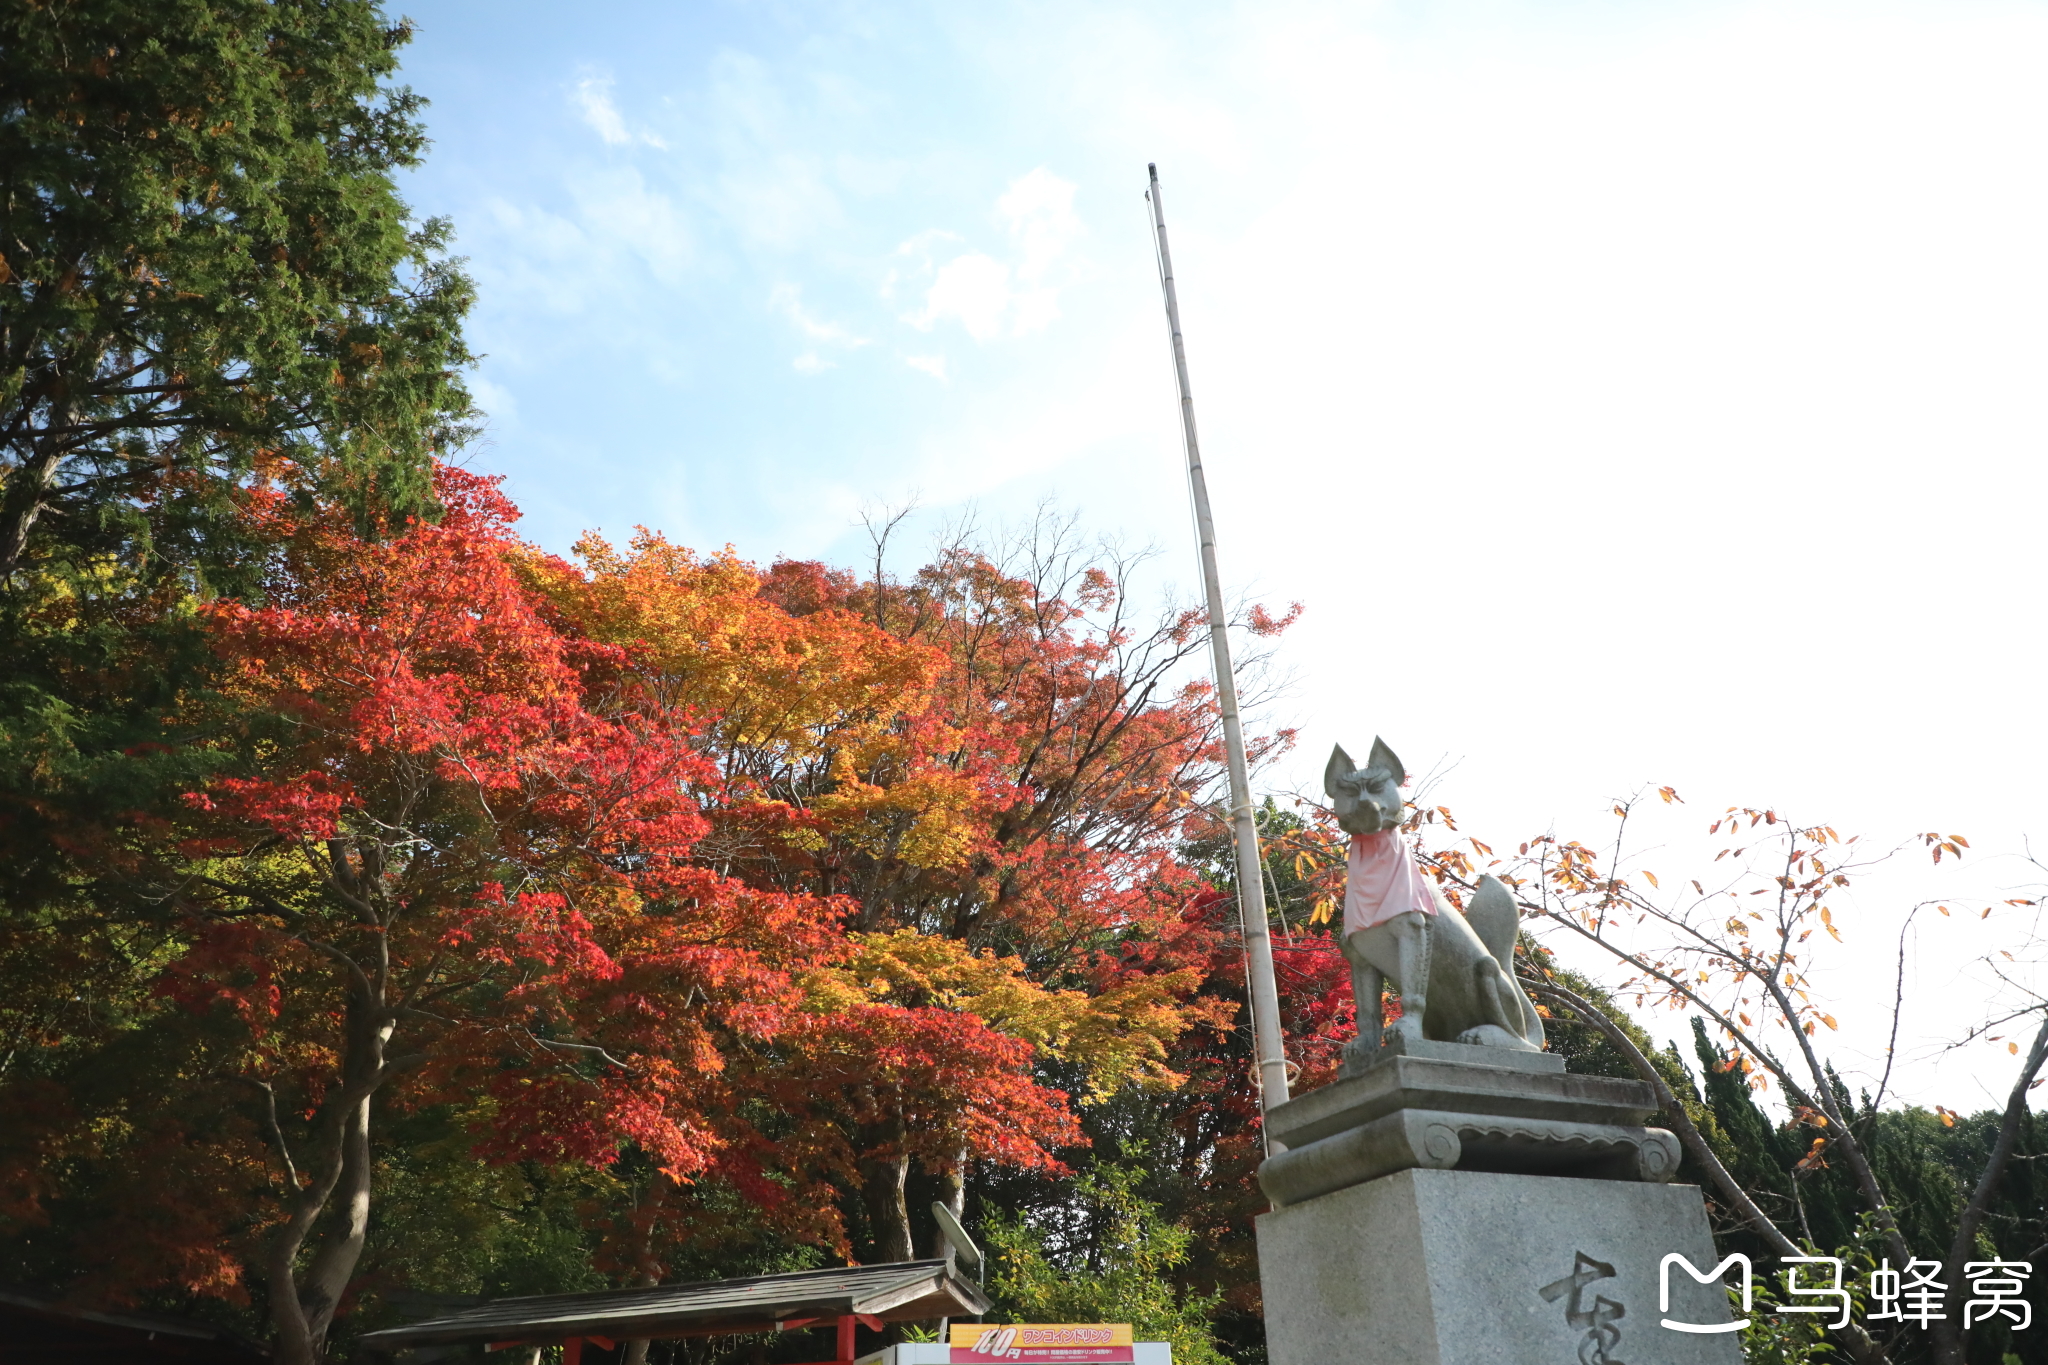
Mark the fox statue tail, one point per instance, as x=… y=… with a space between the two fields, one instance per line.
x=1493 y=917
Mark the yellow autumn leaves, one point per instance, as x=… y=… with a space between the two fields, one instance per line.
x=1118 y=1036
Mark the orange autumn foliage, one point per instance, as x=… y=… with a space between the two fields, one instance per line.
x=972 y=757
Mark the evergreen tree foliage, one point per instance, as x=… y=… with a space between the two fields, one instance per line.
x=206 y=272
x=207 y=278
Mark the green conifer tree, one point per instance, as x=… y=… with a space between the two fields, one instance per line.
x=206 y=271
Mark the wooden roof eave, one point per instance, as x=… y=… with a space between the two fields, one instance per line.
x=940 y=1292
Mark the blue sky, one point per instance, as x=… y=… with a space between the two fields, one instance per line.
x=1631 y=391
x=707 y=235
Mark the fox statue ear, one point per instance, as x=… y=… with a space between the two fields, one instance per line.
x=1386 y=761
x=1336 y=770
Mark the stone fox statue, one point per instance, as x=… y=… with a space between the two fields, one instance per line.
x=1455 y=972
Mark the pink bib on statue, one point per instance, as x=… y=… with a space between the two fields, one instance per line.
x=1381 y=881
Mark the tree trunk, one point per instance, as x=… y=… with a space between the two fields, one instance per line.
x=341 y=1245
x=338 y=1195
x=882 y=1179
x=954 y=1186
x=888 y=1213
x=649 y=1271
x=1950 y=1340
x=27 y=490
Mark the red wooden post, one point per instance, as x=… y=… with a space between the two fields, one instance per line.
x=572 y=1351
x=846 y=1326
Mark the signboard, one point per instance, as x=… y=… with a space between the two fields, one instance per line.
x=1042 y=1343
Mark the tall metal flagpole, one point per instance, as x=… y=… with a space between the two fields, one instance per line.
x=1251 y=879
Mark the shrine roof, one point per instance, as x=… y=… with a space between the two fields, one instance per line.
x=897 y=1291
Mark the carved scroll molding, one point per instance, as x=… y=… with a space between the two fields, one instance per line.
x=1448 y=1141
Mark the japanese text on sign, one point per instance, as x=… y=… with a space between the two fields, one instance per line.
x=1046 y=1343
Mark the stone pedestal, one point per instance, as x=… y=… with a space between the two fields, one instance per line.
x=1449 y=1267
x=1453 y=1205
x=1448 y=1106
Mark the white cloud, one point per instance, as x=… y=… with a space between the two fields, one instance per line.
x=618 y=206
x=1039 y=210
x=495 y=399
x=787 y=299
x=992 y=298
x=933 y=365
x=777 y=202
x=594 y=96
x=914 y=260
x=771 y=188
x=606 y=235
x=975 y=289
x=532 y=254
